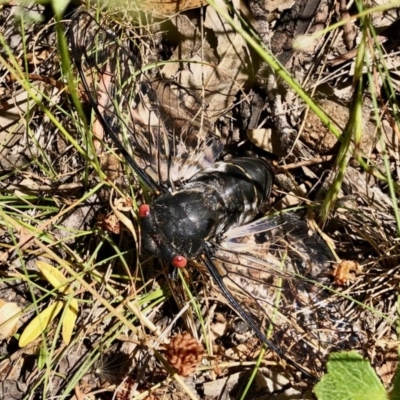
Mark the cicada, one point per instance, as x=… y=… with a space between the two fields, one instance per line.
x=206 y=210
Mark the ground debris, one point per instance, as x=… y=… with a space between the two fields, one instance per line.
x=184 y=353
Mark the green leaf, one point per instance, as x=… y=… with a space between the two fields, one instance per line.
x=54 y=277
x=68 y=323
x=43 y=356
x=40 y=323
x=349 y=377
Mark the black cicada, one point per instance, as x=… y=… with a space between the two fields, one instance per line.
x=204 y=209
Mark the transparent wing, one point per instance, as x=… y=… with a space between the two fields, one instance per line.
x=279 y=273
x=161 y=123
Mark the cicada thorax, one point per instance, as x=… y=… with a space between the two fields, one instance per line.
x=219 y=198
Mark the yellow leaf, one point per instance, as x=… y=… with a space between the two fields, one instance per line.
x=54 y=277
x=69 y=319
x=40 y=323
x=9 y=316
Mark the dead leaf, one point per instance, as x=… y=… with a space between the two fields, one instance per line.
x=124 y=204
x=346 y=271
x=9 y=317
x=111 y=166
x=25 y=237
x=3 y=257
x=125 y=220
x=262 y=138
x=109 y=223
x=39 y=56
x=217 y=71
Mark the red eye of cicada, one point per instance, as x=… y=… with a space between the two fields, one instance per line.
x=179 y=262
x=144 y=211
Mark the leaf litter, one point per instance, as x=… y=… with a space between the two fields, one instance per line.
x=362 y=226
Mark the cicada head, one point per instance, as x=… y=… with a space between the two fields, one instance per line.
x=166 y=235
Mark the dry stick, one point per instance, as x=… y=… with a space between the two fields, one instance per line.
x=313 y=161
